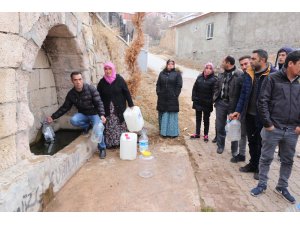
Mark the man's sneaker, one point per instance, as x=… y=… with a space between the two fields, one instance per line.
x=258 y=190
x=247 y=169
x=276 y=149
x=205 y=138
x=195 y=136
x=238 y=158
x=285 y=194
x=102 y=153
x=214 y=140
x=220 y=150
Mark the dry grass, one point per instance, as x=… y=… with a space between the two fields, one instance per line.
x=113 y=44
x=192 y=64
x=132 y=54
x=146 y=99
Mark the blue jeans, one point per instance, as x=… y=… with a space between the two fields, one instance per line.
x=84 y=121
x=287 y=140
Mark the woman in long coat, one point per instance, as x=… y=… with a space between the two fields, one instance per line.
x=114 y=94
x=202 y=97
x=168 y=88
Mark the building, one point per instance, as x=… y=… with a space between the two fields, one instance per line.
x=211 y=36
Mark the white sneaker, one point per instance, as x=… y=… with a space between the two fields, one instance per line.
x=276 y=149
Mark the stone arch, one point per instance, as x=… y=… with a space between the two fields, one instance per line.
x=55 y=40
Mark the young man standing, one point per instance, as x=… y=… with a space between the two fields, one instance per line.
x=279 y=107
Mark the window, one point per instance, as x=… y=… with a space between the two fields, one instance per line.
x=209 y=31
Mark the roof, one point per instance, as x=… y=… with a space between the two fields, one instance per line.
x=190 y=18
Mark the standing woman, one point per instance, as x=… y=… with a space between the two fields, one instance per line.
x=168 y=88
x=114 y=94
x=202 y=97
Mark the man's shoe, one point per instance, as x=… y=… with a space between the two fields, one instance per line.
x=214 y=140
x=102 y=153
x=220 y=150
x=256 y=175
x=238 y=158
x=258 y=190
x=247 y=169
x=285 y=194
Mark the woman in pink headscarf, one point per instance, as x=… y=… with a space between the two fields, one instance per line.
x=202 y=97
x=114 y=94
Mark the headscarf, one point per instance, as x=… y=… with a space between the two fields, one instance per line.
x=205 y=66
x=113 y=75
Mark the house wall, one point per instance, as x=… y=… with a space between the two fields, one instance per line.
x=236 y=34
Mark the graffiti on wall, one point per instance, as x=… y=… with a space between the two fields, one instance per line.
x=57 y=177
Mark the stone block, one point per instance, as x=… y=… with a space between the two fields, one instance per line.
x=83 y=17
x=53 y=96
x=45 y=97
x=22 y=78
x=11 y=50
x=27 y=21
x=7 y=152
x=41 y=61
x=72 y=23
x=88 y=35
x=8 y=85
x=9 y=22
x=8 y=124
x=22 y=144
x=25 y=118
x=34 y=81
x=29 y=56
x=46 y=78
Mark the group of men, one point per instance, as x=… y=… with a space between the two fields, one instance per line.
x=266 y=100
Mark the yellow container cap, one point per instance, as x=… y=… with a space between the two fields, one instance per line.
x=146 y=153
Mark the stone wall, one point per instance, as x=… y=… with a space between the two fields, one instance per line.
x=38 y=51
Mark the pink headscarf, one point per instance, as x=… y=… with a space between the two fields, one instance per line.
x=204 y=71
x=113 y=76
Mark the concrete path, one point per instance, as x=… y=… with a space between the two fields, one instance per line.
x=114 y=185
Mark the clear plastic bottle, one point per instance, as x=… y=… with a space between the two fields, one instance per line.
x=234 y=130
x=97 y=133
x=48 y=132
x=294 y=208
x=146 y=164
x=143 y=141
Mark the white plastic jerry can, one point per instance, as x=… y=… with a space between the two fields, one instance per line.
x=128 y=146
x=134 y=119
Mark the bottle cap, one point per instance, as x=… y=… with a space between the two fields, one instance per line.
x=146 y=153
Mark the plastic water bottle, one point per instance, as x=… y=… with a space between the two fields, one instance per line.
x=234 y=130
x=48 y=132
x=97 y=133
x=143 y=141
x=146 y=164
x=294 y=208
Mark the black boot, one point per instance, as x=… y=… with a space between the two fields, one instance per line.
x=214 y=140
x=102 y=154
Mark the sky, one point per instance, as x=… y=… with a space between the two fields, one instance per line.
x=149 y=6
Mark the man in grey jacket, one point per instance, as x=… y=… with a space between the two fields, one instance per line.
x=279 y=107
x=226 y=95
